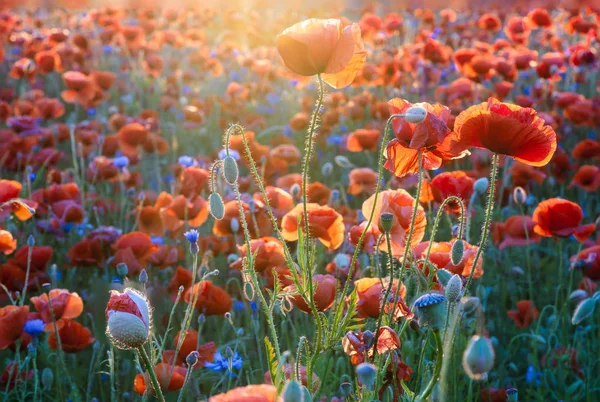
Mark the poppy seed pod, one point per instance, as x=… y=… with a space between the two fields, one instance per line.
x=457 y=252
x=230 y=170
x=583 y=311
x=387 y=220
x=478 y=358
x=367 y=374
x=415 y=114
x=292 y=392
x=128 y=319
x=453 y=289
x=430 y=309
x=512 y=395
x=216 y=206
x=481 y=185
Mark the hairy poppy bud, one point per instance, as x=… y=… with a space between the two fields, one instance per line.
x=192 y=358
x=230 y=170
x=443 y=276
x=481 y=185
x=343 y=162
x=583 y=311
x=143 y=277
x=122 y=269
x=367 y=374
x=454 y=289
x=387 y=219
x=519 y=195
x=478 y=358
x=456 y=254
x=430 y=309
x=292 y=392
x=128 y=319
x=216 y=206
x=415 y=114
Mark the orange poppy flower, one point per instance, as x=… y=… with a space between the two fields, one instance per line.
x=589 y=258
x=23 y=68
x=47 y=61
x=74 y=337
x=223 y=227
x=212 y=300
x=517 y=30
x=165 y=256
x=7 y=243
x=149 y=219
x=363 y=140
x=370 y=239
x=192 y=181
x=514 y=232
x=170 y=378
x=325 y=224
x=325 y=287
x=49 y=108
x=326 y=47
x=299 y=121
x=285 y=155
x=133 y=249
x=587 y=178
x=80 y=88
x=522 y=175
x=132 y=136
x=525 y=313
x=489 y=22
x=318 y=193
x=12 y=321
x=539 y=18
x=281 y=201
x=505 y=129
x=103 y=79
x=249 y=393
x=66 y=306
x=370 y=292
x=400 y=204
x=267 y=251
x=440 y=256
x=586 y=149
x=362 y=181
x=561 y=218
x=426 y=136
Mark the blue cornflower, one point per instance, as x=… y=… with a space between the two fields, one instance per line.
x=233 y=153
x=294 y=83
x=192 y=235
x=273 y=98
x=121 y=162
x=253 y=306
x=186 y=161
x=238 y=305
x=91 y=111
x=221 y=363
x=34 y=327
x=158 y=240
x=532 y=376
x=235 y=76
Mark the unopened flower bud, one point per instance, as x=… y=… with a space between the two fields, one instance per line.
x=415 y=114
x=122 y=269
x=230 y=170
x=478 y=358
x=143 y=277
x=327 y=169
x=292 y=392
x=583 y=310
x=512 y=395
x=481 y=185
x=346 y=389
x=47 y=379
x=234 y=225
x=30 y=241
x=343 y=162
x=295 y=190
x=387 y=220
x=192 y=358
x=457 y=251
x=519 y=195
x=367 y=374
x=453 y=289
x=128 y=319
x=443 y=276
x=578 y=295
x=216 y=206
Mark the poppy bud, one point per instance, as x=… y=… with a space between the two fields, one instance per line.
x=292 y=392
x=478 y=358
x=415 y=114
x=346 y=389
x=367 y=374
x=583 y=311
x=216 y=206
x=230 y=170
x=443 y=276
x=234 y=225
x=578 y=295
x=128 y=319
x=122 y=269
x=47 y=379
x=31 y=241
x=343 y=162
x=430 y=309
x=295 y=190
x=481 y=185
x=327 y=169
x=519 y=195
x=368 y=338
x=458 y=249
x=512 y=395
x=386 y=219
x=143 y=277
x=453 y=289
x=192 y=358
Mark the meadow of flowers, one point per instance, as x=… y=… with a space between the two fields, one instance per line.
x=342 y=204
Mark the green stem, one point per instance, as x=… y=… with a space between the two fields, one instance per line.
x=151 y=373
x=29 y=253
x=387 y=291
x=437 y=222
x=438 y=367
x=485 y=231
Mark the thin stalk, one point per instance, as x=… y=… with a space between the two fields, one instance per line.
x=151 y=373
x=439 y=359
x=29 y=253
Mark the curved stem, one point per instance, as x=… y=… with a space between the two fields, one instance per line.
x=439 y=359
x=151 y=373
x=485 y=231
x=437 y=222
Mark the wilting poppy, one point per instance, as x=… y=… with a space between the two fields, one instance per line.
x=400 y=204
x=74 y=337
x=588 y=260
x=515 y=231
x=561 y=218
x=7 y=243
x=505 y=129
x=325 y=224
x=258 y=393
x=587 y=178
x=170 y=378
x=65 y=306
x=12 y=321
x=525 y=313
x=326 y=47
x=324 y=287
x=360 y=349
x=211 y=299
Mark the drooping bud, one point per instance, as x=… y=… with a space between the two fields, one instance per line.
x=128 y=319
x=478 y=358
x=292 y=392
x=457 y=252
x=430 y=309
x=216 y=206
x=453 y=289
x=230 y=170
x=578 y=295
x=387 y=219
x=367 y=374
x=415 y=114
x=343 y=162
x=583 y=311
x=481 y=185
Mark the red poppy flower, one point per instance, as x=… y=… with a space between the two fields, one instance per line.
x=561 y=355
x=456 y=183
x=400 y=204
x=165 y=256
x=522 y=175
x=132 y=136
x=517 y=30
x=11 y=375
x=261 y=228
x=324 y=47
x=74 y=337
x=325 y=224
x=588 y=260
x=525 y=313
x=493 y=395
x=65 y=305
x=515 y=231
x=281 y=201
x=190 y=344
x=370 y=239
x=182 y=277
x=12 y=321
x=427 y=136
x=561 y=218
x=80 y=88
x=211 y=299
x=249 y=393
x=318 y=193
x=133 y=249
x=539 y=18
x=586 y=149
x=489 y=22
x=170 y=378
x=587 y=178
x=324 y=286
x=355 y=346
x=505 y=129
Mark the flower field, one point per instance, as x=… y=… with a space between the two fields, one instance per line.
x=255 y=202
